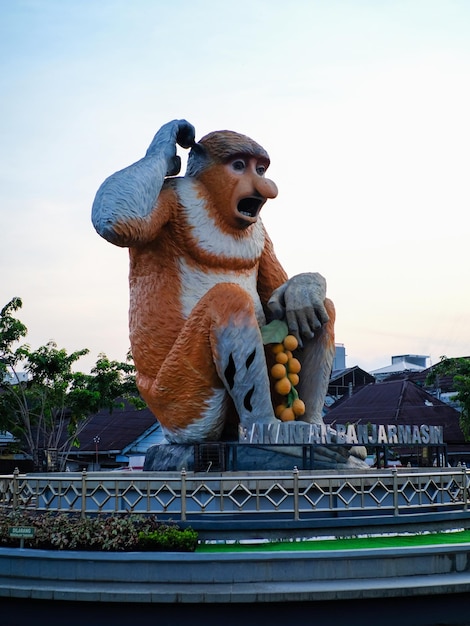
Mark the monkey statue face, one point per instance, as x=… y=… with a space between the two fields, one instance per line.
x=239 y=189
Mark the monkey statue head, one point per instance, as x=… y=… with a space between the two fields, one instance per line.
x=232 y=167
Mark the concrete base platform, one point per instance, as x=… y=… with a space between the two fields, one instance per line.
x=241 y=578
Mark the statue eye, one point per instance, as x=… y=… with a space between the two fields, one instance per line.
x=238 y=165
x=261 y=170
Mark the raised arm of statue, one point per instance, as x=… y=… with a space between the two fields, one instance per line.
x=125 y=201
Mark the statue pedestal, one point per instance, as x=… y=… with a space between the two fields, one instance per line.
x=221 y=457
x=232 y=456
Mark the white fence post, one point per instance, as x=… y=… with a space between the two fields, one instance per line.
x=296 y=494
x=183 y=495
x=395 y=491
x=83 y=505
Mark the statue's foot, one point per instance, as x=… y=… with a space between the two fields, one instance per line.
x=338 y=457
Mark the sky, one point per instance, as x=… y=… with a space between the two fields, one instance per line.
x=363 y=106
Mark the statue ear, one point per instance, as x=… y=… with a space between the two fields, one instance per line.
x=198 y=159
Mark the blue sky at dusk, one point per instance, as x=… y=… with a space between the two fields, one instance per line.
x=362 y=105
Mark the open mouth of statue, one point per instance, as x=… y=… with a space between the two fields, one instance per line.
x=250 y=207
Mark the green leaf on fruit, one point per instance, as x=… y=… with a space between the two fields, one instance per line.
x=291 y=396
x=274 y=332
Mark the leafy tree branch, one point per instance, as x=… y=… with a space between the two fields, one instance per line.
x=43 y=401
x=459 y=370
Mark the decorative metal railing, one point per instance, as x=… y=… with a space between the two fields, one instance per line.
x=296 y=495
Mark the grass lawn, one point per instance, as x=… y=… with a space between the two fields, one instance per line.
x=353 y=543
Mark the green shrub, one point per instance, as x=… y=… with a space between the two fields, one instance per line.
x=125 y=532
x=169 y=538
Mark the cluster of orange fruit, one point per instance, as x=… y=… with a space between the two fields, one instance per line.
x=286 y=374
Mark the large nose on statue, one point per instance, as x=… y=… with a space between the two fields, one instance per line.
x=265 y=187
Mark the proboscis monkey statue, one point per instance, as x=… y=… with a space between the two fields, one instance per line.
x=203 y=279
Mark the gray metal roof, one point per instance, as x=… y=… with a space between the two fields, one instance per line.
x=116 y=431
x=398 y=401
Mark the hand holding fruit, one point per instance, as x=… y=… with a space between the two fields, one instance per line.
x=300 y=301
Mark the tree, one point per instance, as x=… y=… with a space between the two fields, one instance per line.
x=49 y=407
x=459 y=369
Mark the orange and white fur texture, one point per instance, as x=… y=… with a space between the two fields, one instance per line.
x=202 y=272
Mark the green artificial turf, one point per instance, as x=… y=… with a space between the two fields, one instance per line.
x=352 y=543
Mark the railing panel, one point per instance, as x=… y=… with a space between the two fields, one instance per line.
x=295 y=495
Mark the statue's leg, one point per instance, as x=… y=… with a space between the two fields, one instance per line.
x=317 y=358
x=219 y=353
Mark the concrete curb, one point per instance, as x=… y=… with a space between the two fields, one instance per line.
x=255 y=577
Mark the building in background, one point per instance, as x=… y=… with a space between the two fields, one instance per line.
x=339 y=362
x=402 y=364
